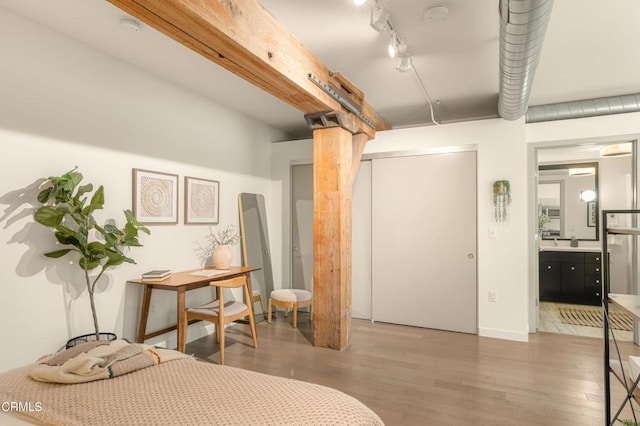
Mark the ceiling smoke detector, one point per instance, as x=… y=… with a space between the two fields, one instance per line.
x=437 y=13
x=129 y=24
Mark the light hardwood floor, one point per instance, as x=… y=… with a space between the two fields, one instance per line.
x=549 y=321
x=415 y=376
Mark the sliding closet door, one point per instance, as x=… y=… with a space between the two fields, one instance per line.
x=302 y=233
x=424 y=241
x=361 y=243
x=302 y=227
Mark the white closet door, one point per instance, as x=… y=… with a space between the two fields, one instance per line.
x=361 y=243
x=302 y=227
x=302 y=230
x=424 y=241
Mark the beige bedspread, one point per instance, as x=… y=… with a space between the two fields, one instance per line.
x=185 y=392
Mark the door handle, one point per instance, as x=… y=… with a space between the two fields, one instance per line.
x=470 y=256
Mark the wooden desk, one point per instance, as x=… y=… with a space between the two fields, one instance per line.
x=181 y=282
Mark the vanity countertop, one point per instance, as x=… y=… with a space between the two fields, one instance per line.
x=568 y=248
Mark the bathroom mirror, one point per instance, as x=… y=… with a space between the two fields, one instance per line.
x=254 y=236
x=568 y=201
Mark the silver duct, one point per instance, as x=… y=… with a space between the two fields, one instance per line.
x=523 y=24
x=585 y=108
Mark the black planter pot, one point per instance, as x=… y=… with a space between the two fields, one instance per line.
x=90 y=338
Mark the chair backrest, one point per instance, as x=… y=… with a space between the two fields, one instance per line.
x=231 y=282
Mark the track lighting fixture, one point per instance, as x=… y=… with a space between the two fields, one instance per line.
x=379 y=19
x=397 y=48
x=393 y=45
x=403 y=63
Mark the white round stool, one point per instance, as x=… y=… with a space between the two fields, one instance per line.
x=290 y=299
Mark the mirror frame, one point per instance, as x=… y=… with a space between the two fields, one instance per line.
x=254 y=232
x=564 y=166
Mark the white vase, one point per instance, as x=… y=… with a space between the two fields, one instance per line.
x=222 y=256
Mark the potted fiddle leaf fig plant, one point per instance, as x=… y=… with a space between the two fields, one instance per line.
x=68 y=212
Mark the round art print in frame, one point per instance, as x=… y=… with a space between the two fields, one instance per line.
x=201 y=201
x=155 y=197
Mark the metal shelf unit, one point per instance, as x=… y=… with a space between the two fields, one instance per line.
x=630 y=304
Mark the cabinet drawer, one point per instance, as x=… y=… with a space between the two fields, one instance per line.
x=592 y=258
x=593 y=280
x=592 y=296
x=592 y=268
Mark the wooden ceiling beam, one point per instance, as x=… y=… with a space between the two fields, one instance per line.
x=244 y=38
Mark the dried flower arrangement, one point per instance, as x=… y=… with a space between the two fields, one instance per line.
x=225 y=237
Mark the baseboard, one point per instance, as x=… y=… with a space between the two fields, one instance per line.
x=503 y=334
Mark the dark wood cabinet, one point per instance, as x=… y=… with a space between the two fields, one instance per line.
x=549 y=276
x=570 y=277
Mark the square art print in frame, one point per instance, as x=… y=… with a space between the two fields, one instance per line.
x=201 y=201
x=155 y=197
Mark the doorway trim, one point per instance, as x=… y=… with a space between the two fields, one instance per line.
x=532 y=202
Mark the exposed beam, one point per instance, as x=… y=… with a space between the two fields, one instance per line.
x=243 y=37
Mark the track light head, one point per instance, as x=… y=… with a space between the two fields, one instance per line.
x=393 y=46
x=403 y=63
x=379 y=19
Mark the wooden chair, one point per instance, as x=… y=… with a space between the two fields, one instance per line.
x=257 y=297
x=291 y=299
x=220 y=312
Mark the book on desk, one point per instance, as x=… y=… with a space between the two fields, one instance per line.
x=157 y=275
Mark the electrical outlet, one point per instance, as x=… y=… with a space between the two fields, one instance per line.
x=492 y=296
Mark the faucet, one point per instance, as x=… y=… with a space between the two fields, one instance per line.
x=555 y=241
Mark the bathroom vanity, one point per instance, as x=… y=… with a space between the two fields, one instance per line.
x=571 y=275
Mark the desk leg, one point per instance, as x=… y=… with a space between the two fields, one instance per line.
x=181 y=319
x=144 y=314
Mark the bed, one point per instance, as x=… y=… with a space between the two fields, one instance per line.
x=181 y=391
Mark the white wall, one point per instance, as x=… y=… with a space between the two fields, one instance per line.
x=62 y=105
x=502 y=263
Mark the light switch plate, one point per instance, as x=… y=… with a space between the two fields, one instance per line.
x=493 y=233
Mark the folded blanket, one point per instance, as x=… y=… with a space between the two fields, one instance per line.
x=99 y=360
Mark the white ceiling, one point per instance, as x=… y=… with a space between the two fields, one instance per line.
x=590 y=50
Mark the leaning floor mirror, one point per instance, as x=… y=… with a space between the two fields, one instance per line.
x=255 y=247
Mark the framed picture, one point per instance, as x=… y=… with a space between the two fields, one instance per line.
x=155 y=197
x=592 y=215
x=201 y=200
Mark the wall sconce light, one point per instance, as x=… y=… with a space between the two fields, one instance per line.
x=587 y=195
x=616 y=150
x=582 y=171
